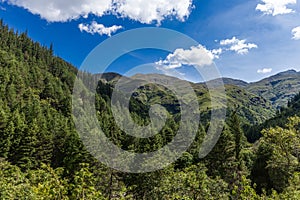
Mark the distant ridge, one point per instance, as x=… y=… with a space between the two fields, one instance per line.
x=109 y=77
x=288 y=72
x=231 y=81
x=279 y=88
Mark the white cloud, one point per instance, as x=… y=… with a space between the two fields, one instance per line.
x=100 y=29
x=64 y=10
x=195 y=56
x=238 y=46
x=216 y=52
x=144 y=11
x=264 y=70
x=276 y=7
x=147 y=11
x=296 y=33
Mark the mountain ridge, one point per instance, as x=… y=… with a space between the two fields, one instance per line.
x=278 y=88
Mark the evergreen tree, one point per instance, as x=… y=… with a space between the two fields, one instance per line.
x=24 y=153
x=5 y=132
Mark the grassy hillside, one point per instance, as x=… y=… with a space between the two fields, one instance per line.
x=253 y=109
x=230 y=81
x=279 y=89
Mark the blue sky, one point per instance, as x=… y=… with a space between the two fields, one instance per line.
x=246 y=39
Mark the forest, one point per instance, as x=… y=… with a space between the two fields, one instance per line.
x=42 y=156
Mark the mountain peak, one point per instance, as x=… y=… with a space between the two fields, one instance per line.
x=279 y=88
x=288 y=72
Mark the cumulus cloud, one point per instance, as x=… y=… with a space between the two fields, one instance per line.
x=144 y=11
x=147 y=11
x=264 y=70
x=64 y=10
x=195 y=56
x=100 y=29
x=238 y=46
x=216 y=52
x=276 y=7
x=296 y=33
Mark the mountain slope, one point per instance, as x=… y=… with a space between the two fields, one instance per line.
x=35 y=103
x=231 y=81
x=279 y=89
x=280 y=119
x=253 y=109
x=42 y=155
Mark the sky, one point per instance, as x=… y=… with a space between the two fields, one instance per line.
x=246 y=39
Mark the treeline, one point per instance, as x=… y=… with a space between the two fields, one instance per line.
x=42 y=156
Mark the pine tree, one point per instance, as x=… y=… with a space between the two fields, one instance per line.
x=239 y=138
x=25 y=152
x=221 y=160
x=5 y=132
x=239 y=172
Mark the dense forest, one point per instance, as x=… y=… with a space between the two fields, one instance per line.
x=43 y=157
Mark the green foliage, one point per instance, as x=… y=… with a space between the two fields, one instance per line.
x=48 y=183
x=190 y=183
x=221 y=160
x=13 y=183
x=285 y=145
x=277 y=156
x=244 y=190
x=43 y=157
x=293 y=190
x=83 y=186
x=281 y=118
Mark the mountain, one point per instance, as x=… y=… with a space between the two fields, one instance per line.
x=279 y=89
x=42 y=156
x=280 y=119
x=271 y=93
x=109 y=77
x=253 y=108
x=35 y=102
x=258 y=101
x=231 y=81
